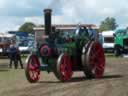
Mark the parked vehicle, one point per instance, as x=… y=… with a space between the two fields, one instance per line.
x=121 y=42
x=23 y=41
x=25 y=46
x=108 y=41
x=5 y=41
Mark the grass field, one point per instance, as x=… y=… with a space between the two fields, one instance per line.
x=14 y=79
x=9 y=78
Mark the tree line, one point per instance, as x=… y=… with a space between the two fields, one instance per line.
x=108 y=23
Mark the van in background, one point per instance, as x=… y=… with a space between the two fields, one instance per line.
x=108 y=41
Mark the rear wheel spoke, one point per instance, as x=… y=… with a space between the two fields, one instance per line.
x=97 y=60
x=65 y=67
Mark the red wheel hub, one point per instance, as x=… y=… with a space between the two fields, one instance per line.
x=45 y=50
x=97 y=59
x=33 y=68
x=66 y=67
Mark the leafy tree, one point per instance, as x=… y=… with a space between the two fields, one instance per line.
x=108 y=24
x=27 y=27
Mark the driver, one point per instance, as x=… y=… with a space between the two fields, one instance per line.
x=81 y=31
x=92 y=33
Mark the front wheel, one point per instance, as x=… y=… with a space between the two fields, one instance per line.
x=63 y=69
x=32 y=71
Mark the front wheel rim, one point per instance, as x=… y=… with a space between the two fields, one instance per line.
x=65 y=67
x=33 y=69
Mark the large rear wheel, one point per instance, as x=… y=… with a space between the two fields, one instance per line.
x=32 y=69
x=94 y=60
x=63 y=69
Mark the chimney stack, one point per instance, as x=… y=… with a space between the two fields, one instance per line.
x=47 y=21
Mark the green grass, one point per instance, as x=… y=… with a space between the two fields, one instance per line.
x=11 y=79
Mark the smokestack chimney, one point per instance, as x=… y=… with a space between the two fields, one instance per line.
x=47 y=21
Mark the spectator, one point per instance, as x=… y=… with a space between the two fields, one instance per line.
x=12 y=55
x=18 y=58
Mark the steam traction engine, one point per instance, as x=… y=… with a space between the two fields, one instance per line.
x=66 y=52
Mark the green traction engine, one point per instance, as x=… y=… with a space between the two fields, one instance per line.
x=65 y=52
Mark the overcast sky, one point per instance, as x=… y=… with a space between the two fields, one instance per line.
x=13 y=13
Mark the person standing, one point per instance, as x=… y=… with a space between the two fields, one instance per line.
x=12 y=55
x=18 y=58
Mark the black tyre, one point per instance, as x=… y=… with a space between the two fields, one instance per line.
x=117 y=51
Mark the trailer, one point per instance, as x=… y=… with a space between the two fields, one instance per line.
x=5 y=41
x=66 y=52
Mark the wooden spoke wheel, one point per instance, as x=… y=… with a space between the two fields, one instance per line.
x=63 y=70
x=32 y=69
x=94 y=60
